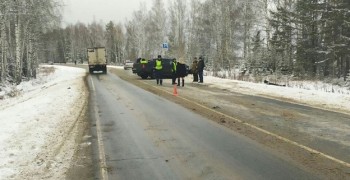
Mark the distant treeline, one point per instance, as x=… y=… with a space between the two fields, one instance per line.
x=303 y=39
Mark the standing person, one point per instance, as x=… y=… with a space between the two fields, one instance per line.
x=173 y=70
x=158 y=68
x=181 y=72
x=194 y=70
x=143 y=61
x=200 y=66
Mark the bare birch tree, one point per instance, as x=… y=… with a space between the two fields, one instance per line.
x=3 y=40
x=177 y=37
x=157 y=27
x=21 y=24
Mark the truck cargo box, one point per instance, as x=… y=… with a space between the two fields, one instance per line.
x=97 y=59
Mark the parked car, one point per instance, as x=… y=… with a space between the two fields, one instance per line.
x=144 y=70
x=128 y=64
x=147 y=70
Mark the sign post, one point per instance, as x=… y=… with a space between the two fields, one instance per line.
x=165 y=47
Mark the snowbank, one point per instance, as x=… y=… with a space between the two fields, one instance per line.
x=38 y=124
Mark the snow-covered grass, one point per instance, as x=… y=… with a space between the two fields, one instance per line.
x=338 y=86
x=314 y=93
x=38 y=124
x=319 y=86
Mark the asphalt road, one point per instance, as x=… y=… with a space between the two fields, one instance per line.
x=140 y=135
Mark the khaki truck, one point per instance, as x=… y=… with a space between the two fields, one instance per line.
x=97 y=59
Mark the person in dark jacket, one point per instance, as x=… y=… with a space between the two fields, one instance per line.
x=200 y=67
x=158 y=70
x=181 y=72
x=194 y=70
x=173 y=70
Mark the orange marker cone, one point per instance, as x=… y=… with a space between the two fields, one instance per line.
x=175 y=91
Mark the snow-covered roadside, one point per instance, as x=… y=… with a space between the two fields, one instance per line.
x=312 y=97
x=38 y=126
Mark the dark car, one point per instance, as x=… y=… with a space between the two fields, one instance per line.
x=143 y=70
x=147 y=70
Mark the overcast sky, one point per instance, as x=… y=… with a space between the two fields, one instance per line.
x=86 y=11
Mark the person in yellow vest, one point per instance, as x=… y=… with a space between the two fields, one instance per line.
x=158 y=68
x=143 y=61
x=173 y=70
